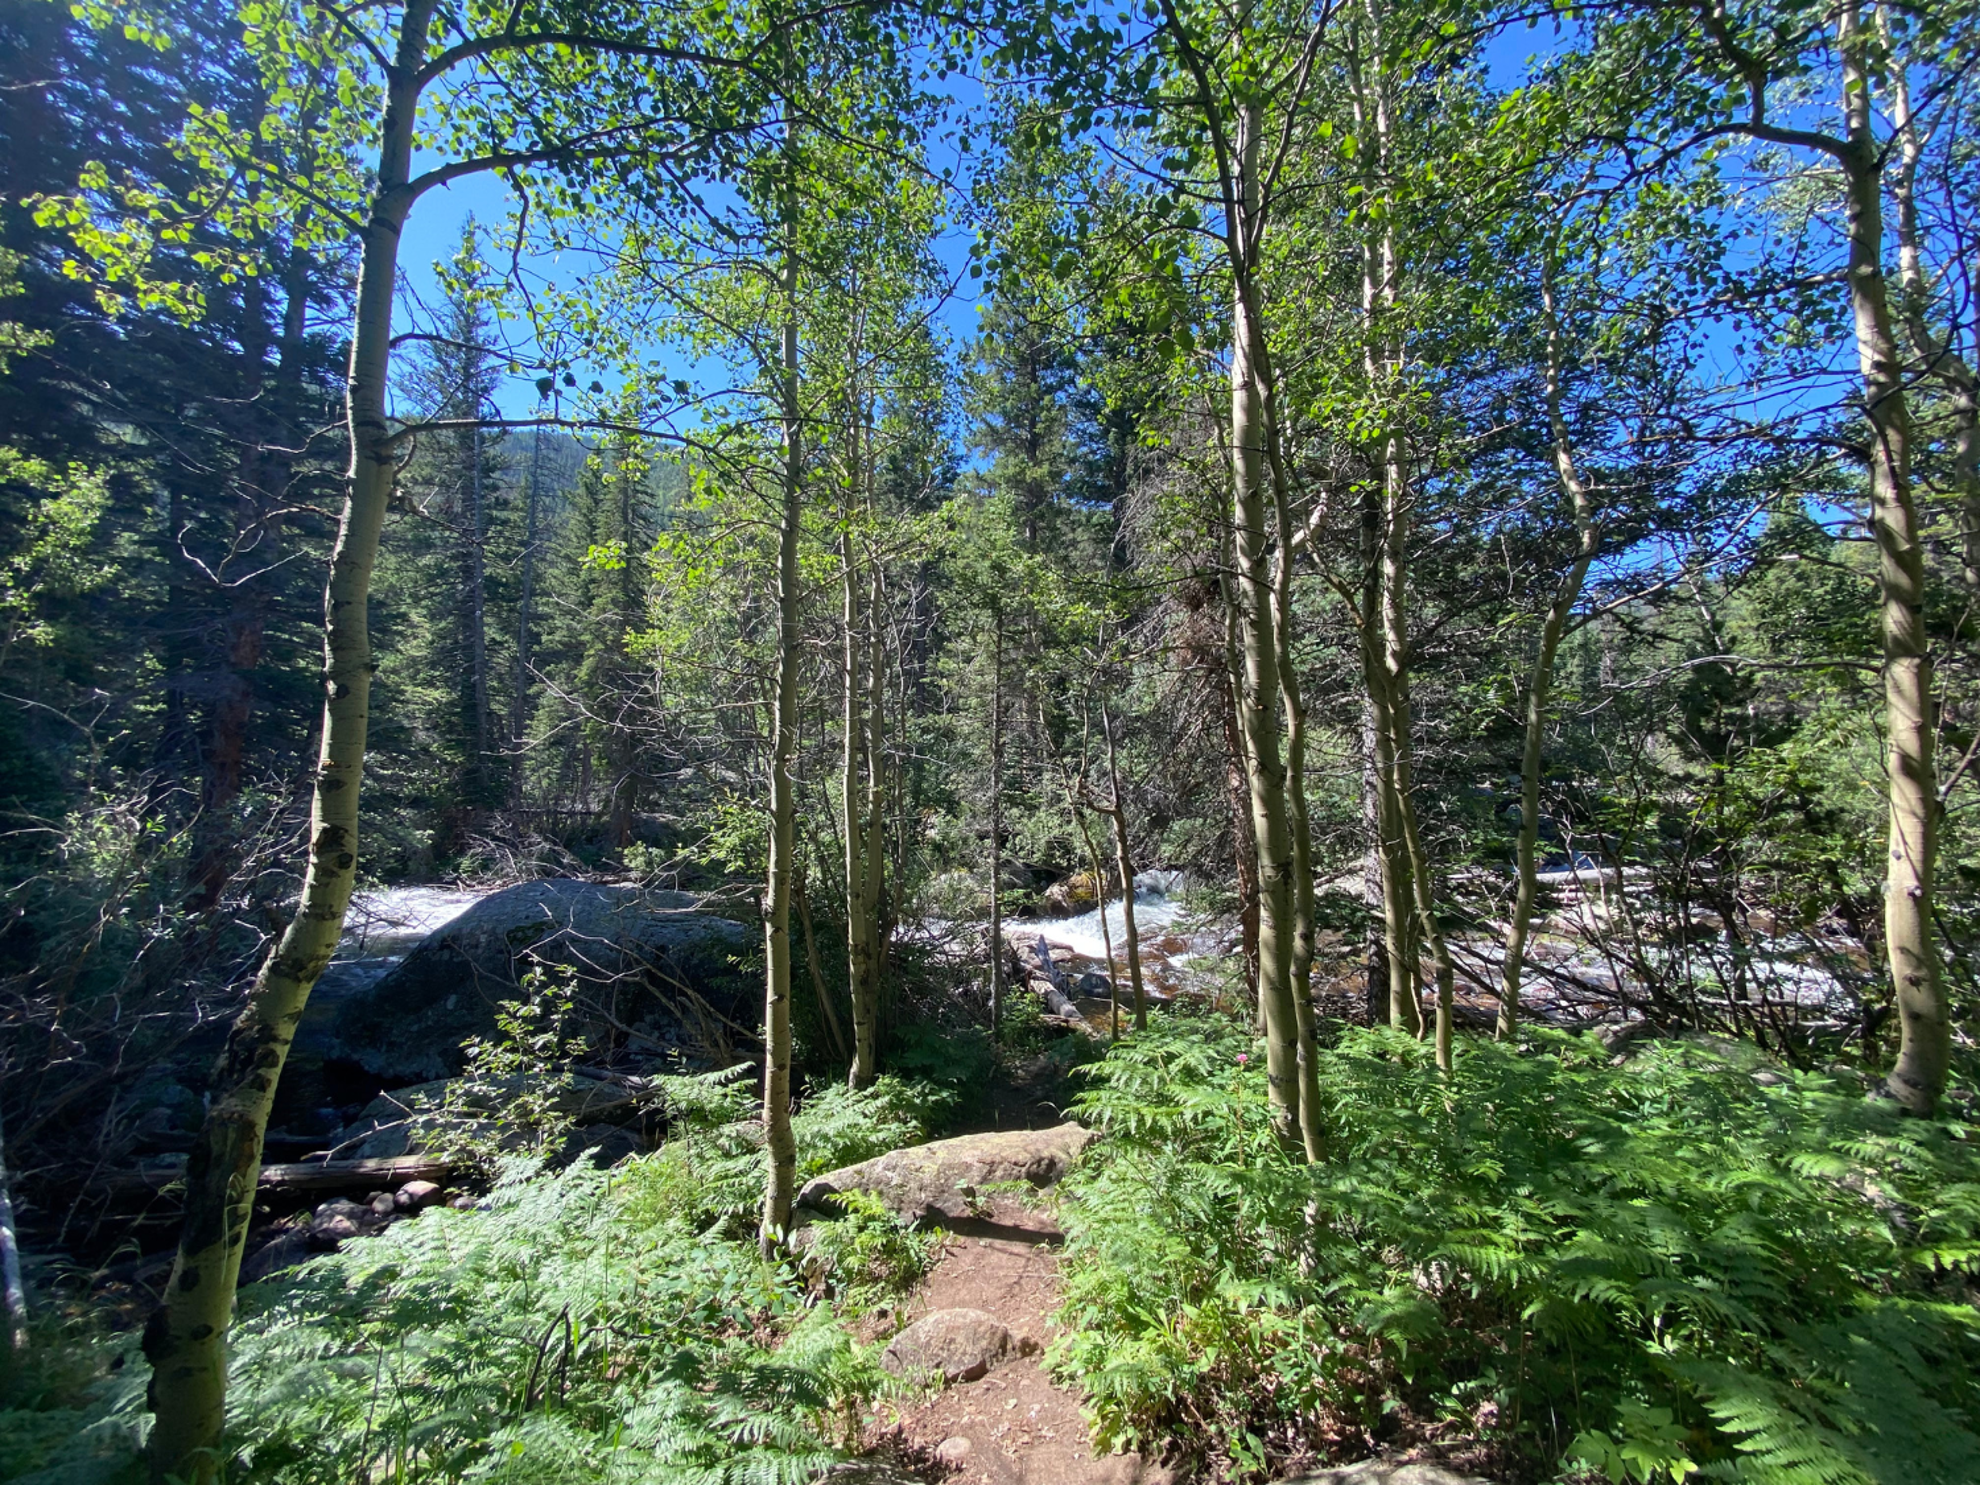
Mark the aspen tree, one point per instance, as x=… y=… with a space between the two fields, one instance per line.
x=389 y=68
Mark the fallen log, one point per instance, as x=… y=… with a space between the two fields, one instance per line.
x=1053 y=984
x=301 y=1175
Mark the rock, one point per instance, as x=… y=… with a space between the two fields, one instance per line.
x=410 y=1121
x=1070 y=895
x=943 y=1177
x=334 y=1229
x=953 y=1451
x=1094 y=983
x=1388 y=1472
x=462 y=1203
x=673 y=970
x=382 y=1203
x=960 y=1344
x=280 y=1254
x=415 y=1196
x=604 y=1145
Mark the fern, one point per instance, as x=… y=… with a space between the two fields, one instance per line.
x=1545 y=1242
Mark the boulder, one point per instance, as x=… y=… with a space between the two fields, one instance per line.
x=410 y=1121
x=1071 y=895
x=416 y=1195
x=282 y=1253
x=943 y=1178
x=676 y=974
x=1388 y=1472
x=960 y=1344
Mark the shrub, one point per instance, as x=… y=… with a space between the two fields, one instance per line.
x=1690 y=1261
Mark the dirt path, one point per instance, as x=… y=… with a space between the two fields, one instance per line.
x=1013 y=1426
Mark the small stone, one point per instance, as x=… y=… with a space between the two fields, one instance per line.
x=382 y=1204
x=462 y=1203
x=415 y=1196
x=952 y=1451
x=334 y=1228
x=960 y=1344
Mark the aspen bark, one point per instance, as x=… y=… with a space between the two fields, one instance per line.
x=185 y=1340
x=1258 y=693
x=1540 y=679
x=1300 y=969
x=1925 y=1043
x=780 y=1148
x=1237 y=784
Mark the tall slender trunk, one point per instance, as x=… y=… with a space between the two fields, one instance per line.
x=518 y=701
x=1375 y=939
x=1300 y=973
x=1383 y=570
x=1237 y=784
x=852 y=818
x=185 y=1340
x=873 y=887
x=996 y=822
x=1540 y=679
x=780 y=1182
x=1124 y=858
x=1258 y=695
x=1925 y=1046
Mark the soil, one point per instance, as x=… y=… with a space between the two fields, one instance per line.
x=1015 y=1425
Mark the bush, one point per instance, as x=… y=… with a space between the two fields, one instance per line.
x=1690 y=1261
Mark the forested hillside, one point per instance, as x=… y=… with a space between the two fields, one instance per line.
x=730 y=732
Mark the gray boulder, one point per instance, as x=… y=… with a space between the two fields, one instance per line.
x=676 y=974
x=944 y=1178
x=416 y=1120
x=1387 y=1472
x=959 y=1344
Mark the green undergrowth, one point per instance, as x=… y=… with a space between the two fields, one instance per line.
x=1691 y=1264
x=581 y=1325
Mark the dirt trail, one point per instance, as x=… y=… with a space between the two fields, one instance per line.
x=1013 y=1426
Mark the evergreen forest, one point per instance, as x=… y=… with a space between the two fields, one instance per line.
x=1059 y=742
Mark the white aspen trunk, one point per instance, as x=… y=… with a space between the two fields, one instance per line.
x=1925 y=1044
x=185 y=1340
x=1258 y=691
